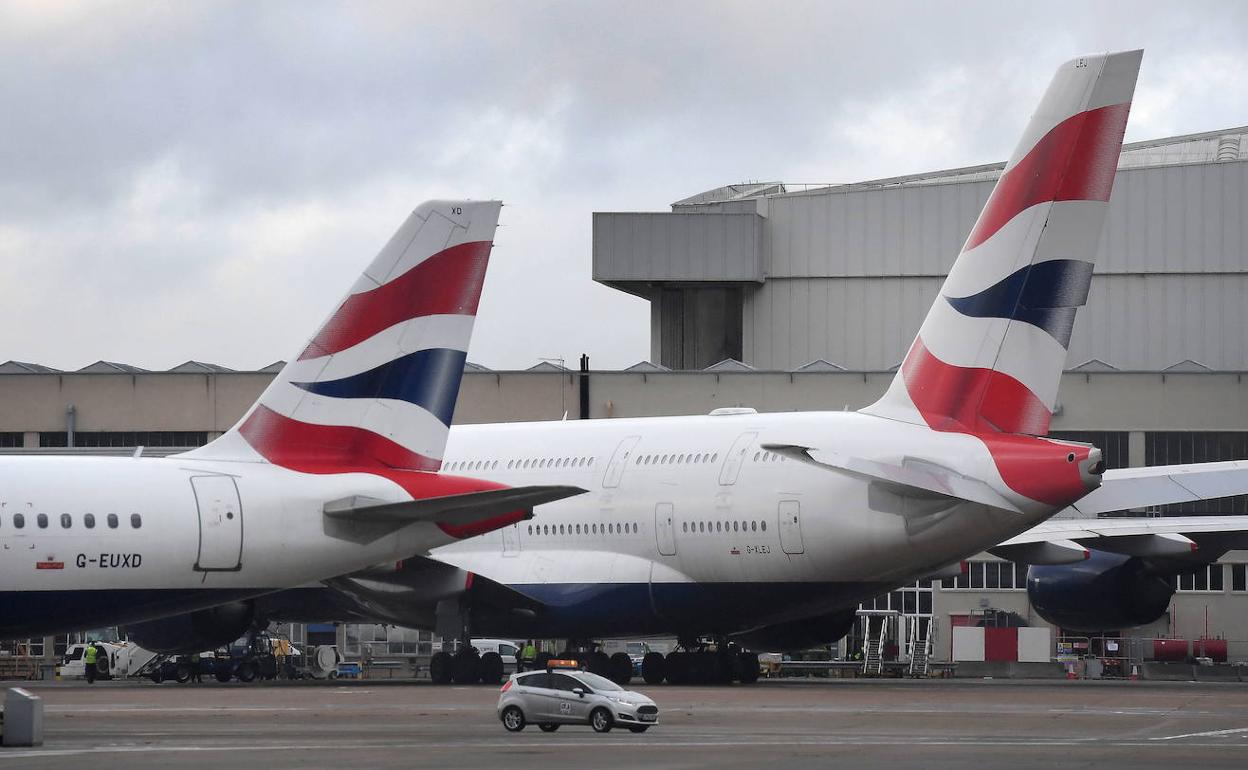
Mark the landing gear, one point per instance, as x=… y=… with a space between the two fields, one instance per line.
x=653 y=668
x=694 y=664
x=747 y=667
x=464 y=666
x=440 y=667
x=620 y=669
x=490 y=668
x=598 y=663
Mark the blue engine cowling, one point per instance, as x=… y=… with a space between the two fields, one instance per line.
x=1105 y=592
x=195 y=631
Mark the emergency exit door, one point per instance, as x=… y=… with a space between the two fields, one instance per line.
x=789 y=517
x=220 y=523
x=665 y=528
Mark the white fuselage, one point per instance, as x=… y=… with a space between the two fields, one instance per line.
x=105 y=540
x=686 y=502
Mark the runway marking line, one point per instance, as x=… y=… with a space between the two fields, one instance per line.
x=1207 y=734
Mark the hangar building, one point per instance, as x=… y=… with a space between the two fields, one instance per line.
x=780 y=298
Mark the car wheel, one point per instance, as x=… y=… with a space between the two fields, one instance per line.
x=639 y=728
x=547 y=727
x=513 y=719
x=247 y=672
x=158 y=676
x=183 y=673
x=600 y=719
x=223 y=676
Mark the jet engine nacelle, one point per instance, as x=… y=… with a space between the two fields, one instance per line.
x=196 y=631
x=1104 y=592
x=800 y=634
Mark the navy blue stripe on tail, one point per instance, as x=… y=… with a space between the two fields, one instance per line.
x=427 y=378
x=1045 y=295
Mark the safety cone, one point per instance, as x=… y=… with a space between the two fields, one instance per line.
x=1135 y=672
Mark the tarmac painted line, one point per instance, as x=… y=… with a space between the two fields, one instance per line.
x=635 y=745
x=1207 y=734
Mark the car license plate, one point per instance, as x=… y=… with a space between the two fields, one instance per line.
x=648 y=717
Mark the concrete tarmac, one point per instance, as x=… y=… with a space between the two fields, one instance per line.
x=791 y=723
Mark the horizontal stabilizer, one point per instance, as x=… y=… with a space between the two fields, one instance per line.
x=1129 y=488
x=459 y=510
x=913 y=477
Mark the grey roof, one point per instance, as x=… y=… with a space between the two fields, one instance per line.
x=647 y=366
x=21 y=367
x=1187 y=365
x=276 y=366
x=820 y=365
x=200 y=366
x=471 y=367
x=1227 y=144
x=546 y=366
x=111 y=367
x=729 y=365
x=1094 y=365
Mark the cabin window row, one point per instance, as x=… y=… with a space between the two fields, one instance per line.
x=611 y=528
x=763 y=455
x=679 y=458
x=67 y=520
x=702 y=527
x=524 y=464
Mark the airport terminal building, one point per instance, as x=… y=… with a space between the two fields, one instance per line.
x=782 y=299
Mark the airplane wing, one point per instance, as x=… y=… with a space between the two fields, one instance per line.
x=458 y=510
x=912 y=477
x=1193 y=539
x=1128 y=488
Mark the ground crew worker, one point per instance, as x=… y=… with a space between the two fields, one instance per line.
x=528 y=656
x=88 y=661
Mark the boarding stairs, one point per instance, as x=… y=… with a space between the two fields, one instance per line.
x=919 y=644
x=876 y=627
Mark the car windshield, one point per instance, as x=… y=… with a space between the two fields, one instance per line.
x=598 y=683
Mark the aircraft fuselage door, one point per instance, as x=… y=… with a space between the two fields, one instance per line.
x=665 y=528
x=220 y=523
x=511 y=540
x=619 y=461
x=735 y=458
x=790 y=521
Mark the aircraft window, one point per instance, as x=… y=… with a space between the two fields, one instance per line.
x=578 y=529
x=736 y=526
x=42 y=520
x=634 y=528
x=112 y=521
x=715 y=457
x=136 y=520
x=593 y=529
x=88 y=520
x=754 y=526
x=591 y=461
x=67 y=521
x=701 y=526
x=546 y=530
x=19 y=520
x=530 y=529
x=756 y=454
x=719 y=526
x=764 y=526
x=510 y=463
x=561 y=529
x=495 y=465
x=684 y=526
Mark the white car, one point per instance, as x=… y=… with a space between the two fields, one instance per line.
x=566 y=696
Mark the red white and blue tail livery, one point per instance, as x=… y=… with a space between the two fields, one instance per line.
x=376 y=385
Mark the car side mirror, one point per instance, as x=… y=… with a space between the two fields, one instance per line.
x=580 y=691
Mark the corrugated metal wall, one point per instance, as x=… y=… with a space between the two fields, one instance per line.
x=1171 y=284
x=678 y=247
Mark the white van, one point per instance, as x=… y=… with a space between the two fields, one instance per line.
x=114 y=664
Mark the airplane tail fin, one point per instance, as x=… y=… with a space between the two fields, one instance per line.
x=990 y=353
x=376 y=386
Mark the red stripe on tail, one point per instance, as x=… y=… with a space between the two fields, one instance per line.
x=1075 y=161
x=448 y=282
x=310 y=448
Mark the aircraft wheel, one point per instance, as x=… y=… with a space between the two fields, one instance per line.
x=490 y=668
x=599 y=663
x=725 y=667
x=183 y=673
x=440 y=668
x=621 y=668
x=464 y=667
x=747 y=667
x=653 y=668
x=223 y=675
x=677 y=665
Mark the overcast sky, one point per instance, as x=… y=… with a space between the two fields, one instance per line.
x=204 y=180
